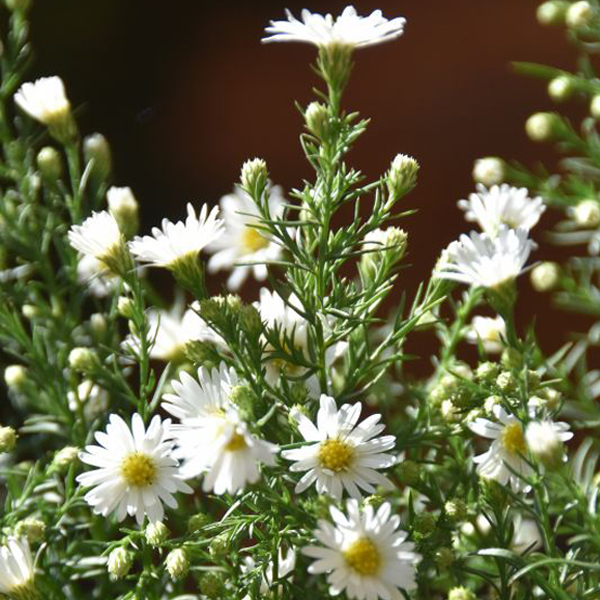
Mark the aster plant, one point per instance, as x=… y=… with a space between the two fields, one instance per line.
x=278 y=444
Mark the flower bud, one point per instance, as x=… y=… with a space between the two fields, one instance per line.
x=98 y=324
x=97 y=149
x=201 y=353
x=595 y=106
x=50 y=164
x=244 y=398
x=444 y=557
x=30 y=311
x=490 y=402
x=197 y=522
x=561 y=88
x=456 y=510
x=219 y=546
x=124 y=208
x=541 y=127
x=506 y=382
x=409 y=472
x=551 y=397
x=177 y=563
x=32 y=529
x=8 y=439
x=511 y=358
x=211 y=585
x=21 y=6
x=587 y=214
x=544 y=443
x=250 y=320
x=156 y=533
x=545 y=276
x=15 y=376
x=450 y=412
x=254 y=176
x=317 y=119
x=119 y=563
x=65 y=457
x=461 y=593
x=125 y=307
x=83 y=360
x=489 y=171
x=579 y=15
x=552 y=13
x=402 y=175
x=424 y=523
x=487 y=372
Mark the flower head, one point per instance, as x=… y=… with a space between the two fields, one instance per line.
x=545 y=441
x=16 y=570
x=489 y=331
x=343 y=454
x=480 y=260
x=504 y=461
x=347 y=29
x=101 y=282
x=135 y=470
x=45 y=100
x=176 y=241
x=241 y=241
x=502 y=205
x=364 y=554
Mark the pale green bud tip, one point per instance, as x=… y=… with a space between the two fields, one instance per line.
x=506 y=382
x=8 y=439
x=15 y=376
x=487 y=371
x=461 y=593
x=125 y=307
x=579 y=15
x=552 y=13
x=541 y=127
x=50 y=163
x=489 y=171
x=177 y=563
x=424 y=523
x=545 y=276
x=211 y=585
x=124 y=208
x=587 y=214
x=595 y=107
x=65 y=457
x=197 y=522
x=83 y=359
x=219 y=545
x=18 y=5
x=98 y=324
x=33 y=529
x=402 y=175
x=561 y=88
x=444 y=557
x=156 y=533
x=456 y=510
x=30 y=311
x=317 y=119
x=96 y=148
x=250 y=319
x=119 y=563
x=254 y=174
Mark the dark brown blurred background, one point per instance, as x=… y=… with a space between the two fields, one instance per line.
x=185 y=92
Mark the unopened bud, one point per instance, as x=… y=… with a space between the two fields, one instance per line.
x=250 y=320
x=489 y=171
x=487 y=372
x=98 y=324
x=506 y=382
x=456 y=510
x=125 y=307
x=444 y=557
x=317 y=119
x=18 y=5
x=119 y=563
x=50 y=163
x=545 y=276
x=409 y=472
x=587 y=214
x=30 y=311
x=402 y=175
x=424 y=523
x=211 y=586
x=197 y=522
x=177 y=563
x=461 y=593
x=541 y=127
x=8 y=439
x=97 y=149
x=83 y=360
x=254 y=176
x=595 y=107
x=65 y=457
x=32 y=529
x=561 y=88
x=124 y=208
x=156 y=533
x=243 y=397
x=552 y=13
x=219 y=546
x=579 y=15
x=15 y=376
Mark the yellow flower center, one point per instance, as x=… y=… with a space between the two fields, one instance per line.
x=237 y=442
x=336 y=455
x=138 y=469
x=363 y=556
x=512 y=439
x=253 y=240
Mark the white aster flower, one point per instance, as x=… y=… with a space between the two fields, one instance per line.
x=93 y=399
x=348 y=29
x=479 y=260
x=241 y=242
x=545 y=441
x=365 y=555
x=285 y=565
x=343 y=454
x=211 y=437
x=170 y=331
x=101 y=281
x=98 y=236
x=504 y=460
x=177 y=241
x=489 y=331
x=44 y=100
x=502 y=205
x=17 y=570
x=136 y=471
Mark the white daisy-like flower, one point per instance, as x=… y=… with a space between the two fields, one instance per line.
x=342 y=454
x=135 y=470
x=479 y=260
x=241 y=241
x=364 y=554
x=98 y=236
x=17 y=570
x=502 y=205
x=170 y=331
x=503 y=462
x=177 y=241
x=101 y=281
x=93 y=399
x=44 y=100
x=285 y=565
x=348 y=29
x=490 y=331
x=211 y=437
x=545 y=440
